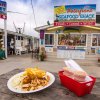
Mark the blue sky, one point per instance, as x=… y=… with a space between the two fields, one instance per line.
x=43 y=12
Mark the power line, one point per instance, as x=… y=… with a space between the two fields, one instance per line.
x=33 y=13
x=17 y=12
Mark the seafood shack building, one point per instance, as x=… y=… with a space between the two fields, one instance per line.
x=71 y=42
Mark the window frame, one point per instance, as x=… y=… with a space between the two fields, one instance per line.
x=75 y=34
x=92 y=40
x=49 y=44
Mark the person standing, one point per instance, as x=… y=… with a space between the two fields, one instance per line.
x=12 y=46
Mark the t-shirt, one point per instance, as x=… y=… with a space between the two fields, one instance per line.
x=12 y=44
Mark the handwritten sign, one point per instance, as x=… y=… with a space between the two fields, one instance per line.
x=75 y=15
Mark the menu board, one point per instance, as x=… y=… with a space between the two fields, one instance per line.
x=71 y=54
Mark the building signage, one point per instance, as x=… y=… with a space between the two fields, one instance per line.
x=75 y=15
x=3 y=10
x=70 y=48
x=66 y=47
x=41 y=34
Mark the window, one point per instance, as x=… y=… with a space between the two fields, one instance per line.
x=18 y=37
x=96 y=40
x=49 y=39
x=72 y=39
x=0 y=8
x=21 y=38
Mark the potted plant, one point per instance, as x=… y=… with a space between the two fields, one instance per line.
x=41 y=56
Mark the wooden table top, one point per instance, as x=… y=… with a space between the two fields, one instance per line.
x=54 y=92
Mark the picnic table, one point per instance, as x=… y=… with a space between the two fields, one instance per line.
x=55 y=92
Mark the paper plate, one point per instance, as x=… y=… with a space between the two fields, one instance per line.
x=10 y=87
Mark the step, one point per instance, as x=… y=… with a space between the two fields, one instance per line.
x=55 y=54
x=80 y=62
x=55 y=57
x=86 y=60
x=51 y=58
x=87 y=56
x=92 y=59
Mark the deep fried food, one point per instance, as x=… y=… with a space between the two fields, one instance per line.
x=35 y=72
x=26 y=80
x=33 y=79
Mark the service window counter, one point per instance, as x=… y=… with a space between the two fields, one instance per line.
x=68 y=53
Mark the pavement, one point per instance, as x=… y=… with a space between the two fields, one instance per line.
x=25 y=60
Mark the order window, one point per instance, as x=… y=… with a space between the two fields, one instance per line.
x=72 y=39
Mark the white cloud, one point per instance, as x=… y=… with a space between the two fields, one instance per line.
x=43 y=12
x=19 y=19
x=42 y=9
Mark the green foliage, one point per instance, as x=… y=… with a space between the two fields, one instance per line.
x=42 y=56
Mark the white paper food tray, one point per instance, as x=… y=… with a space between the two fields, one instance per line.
x=74 y=66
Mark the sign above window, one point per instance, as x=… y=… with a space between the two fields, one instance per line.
x=75 y=15
x=3 y=10
x=41 y=34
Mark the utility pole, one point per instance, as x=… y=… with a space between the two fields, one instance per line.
x=3 y=15
x=5 y=36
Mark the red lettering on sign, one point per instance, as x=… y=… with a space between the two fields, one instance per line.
x=79 y=10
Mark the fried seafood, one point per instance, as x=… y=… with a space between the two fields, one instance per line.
x=33 y=78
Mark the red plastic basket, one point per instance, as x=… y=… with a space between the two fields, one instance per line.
x=79 y=88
